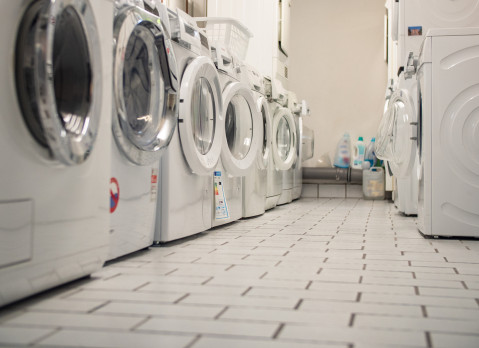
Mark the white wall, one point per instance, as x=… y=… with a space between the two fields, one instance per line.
x=337 y=65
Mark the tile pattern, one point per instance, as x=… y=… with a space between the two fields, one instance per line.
x=314 y=273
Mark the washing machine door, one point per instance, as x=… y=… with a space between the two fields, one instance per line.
x=382 y=147
x=201 y=120
x=59 y=77
x=403 y=136
x=144 y=85
x=284 y=139
x=243 y=129
x=265 y=148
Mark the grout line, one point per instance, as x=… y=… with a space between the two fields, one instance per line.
x=358 y=297
x=246 y=291
x=309 y=284
x=173 y=271
x=192 y=343
x=244 y=258
x=286 y=253
x=217 y=316
x=44 y=337
x=199 y=258
x=477 y=301
x=319 y=270
x=428 y=339
x=413 y=275
x=99 y=306
x=300 y=302
x=360 y=279
x=169 y=254
x=207 y=281
x=416 y=290
x=229 y=267
x=181 y=298
x=424 y=311
x=351 y=320
x=409 y=263
x=141 y=286
x=212 y=251
x=364 y=266
x=263 y=275
x=445 y=259
x=364 y=257
x=464 y=285
x=137 y=325
x=112 y=277
x=277 y=263
x=278 y=331
x=455 y=270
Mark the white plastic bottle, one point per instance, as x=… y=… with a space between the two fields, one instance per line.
x=359 y=150
x=343 y=152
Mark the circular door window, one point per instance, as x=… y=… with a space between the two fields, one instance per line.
x=266 y=140
x=145 y=106
x=202 y=115
x=239 y=127
x=243 y=129
x=283 y=139
x=58 y=75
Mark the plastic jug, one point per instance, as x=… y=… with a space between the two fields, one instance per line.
x=359 y=149
x=370 y=155
x=342 y=158
x=373 y=183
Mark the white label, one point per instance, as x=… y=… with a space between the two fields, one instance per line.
x=221 y=207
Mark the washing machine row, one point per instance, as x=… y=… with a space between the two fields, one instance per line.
x=174 y=128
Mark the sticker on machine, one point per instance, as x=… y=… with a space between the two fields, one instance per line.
x=221 y=207
x=114 y=194
x=154 y=184
x=414 y=31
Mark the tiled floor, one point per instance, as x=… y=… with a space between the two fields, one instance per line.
x=314 y=273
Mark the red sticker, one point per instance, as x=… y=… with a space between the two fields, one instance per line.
x=114 y=194
x=154 y=179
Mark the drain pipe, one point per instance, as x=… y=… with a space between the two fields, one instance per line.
x=325 y=175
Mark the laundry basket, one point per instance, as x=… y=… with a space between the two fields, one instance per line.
x=228 y=31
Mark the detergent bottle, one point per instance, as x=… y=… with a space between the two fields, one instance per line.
x=359 y=150
x=370 y=155
x=342 y=158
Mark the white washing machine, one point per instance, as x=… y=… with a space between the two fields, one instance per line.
x=285 y=145
x=243 y=135
x=282 y=152
x=185 y=198
x=397 y=142
x=55 y=142
x=415 y=18
x=143 y=122
x=296 y=109
x=255 y=181
x=448 y=83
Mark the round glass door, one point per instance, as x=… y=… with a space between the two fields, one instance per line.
x=243 y=129
x=284 y=139
x=145 y=101
x=266 y=141
x=58 y=77
x=201 y=121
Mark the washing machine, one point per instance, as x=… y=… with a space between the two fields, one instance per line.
x=55 y=142
x=185 y=198
x=285 y=147
x=414 y=18
x=282 y=149
x=296 y=108
x=397 y=142
x=448 y=84
x=255 y=180
x=243 y=135
x=143 y=122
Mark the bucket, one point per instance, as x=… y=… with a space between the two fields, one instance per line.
x=373 y=183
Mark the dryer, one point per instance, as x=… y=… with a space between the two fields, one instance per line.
x=255 y=180
x=397 y=140
x=243 y=135
x=296 y=109
x=55 y=142
x=185 y=198
x=448 y=127
x=415 y=18
x=143 y=122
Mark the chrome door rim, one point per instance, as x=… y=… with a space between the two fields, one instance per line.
x=125 y=23
x=69 y=139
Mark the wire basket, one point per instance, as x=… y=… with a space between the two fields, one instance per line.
x=229 y=32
